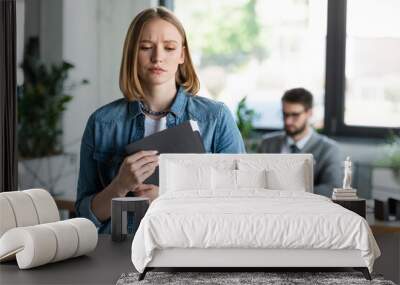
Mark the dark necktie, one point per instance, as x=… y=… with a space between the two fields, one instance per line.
x=294 y=149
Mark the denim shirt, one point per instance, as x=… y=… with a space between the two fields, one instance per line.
x=113 y=126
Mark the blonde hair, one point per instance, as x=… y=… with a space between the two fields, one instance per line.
x=129 y=82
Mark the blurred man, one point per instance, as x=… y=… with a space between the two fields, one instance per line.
x=299 y=137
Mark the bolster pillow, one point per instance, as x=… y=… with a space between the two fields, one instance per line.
x=45 y=243
x=26 y=208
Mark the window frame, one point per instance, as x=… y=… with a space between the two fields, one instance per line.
x=335 y=64
x=335 y=79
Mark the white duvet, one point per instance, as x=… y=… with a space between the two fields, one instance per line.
x=250 y=219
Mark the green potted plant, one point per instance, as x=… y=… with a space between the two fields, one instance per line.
x=42 y=101
x=245 y=117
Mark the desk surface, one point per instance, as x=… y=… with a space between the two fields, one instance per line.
x=382 y=227
x=102 y=266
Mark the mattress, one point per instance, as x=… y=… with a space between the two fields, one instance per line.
x=250 y=219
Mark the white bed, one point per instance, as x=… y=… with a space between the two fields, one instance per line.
x=247 y=211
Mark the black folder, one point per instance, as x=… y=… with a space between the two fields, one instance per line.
x=178 y=139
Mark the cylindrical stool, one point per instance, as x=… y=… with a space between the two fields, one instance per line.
x=120 y=207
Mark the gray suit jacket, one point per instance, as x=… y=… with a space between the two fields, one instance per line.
x=327 y=159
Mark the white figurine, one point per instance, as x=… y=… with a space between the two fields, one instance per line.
x=347 y=173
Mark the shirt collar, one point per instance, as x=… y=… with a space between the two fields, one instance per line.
x=177 y=108
x=134 y=108
x=301 y=143
x=179 y=104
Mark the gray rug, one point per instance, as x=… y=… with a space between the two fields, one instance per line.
x=228 y=278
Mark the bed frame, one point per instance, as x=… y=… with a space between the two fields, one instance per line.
x=235 y=259
x=248 y=259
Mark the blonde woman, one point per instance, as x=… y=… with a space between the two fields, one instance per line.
x=159 y=84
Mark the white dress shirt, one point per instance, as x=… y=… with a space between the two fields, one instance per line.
x=300 y=144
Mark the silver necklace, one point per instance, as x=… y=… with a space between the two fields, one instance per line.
x=150 y=112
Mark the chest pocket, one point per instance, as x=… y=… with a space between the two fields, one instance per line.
x=107 y=165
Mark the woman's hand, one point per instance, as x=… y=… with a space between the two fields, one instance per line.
x=147 y=190
x=135 y=169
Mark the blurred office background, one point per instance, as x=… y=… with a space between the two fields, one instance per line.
x=345 y=53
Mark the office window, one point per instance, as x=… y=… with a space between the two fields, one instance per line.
x=257 y=49
x=372 y=95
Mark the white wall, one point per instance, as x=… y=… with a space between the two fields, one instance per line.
x=51 y=44
x=80 y=48
x=20 y=26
